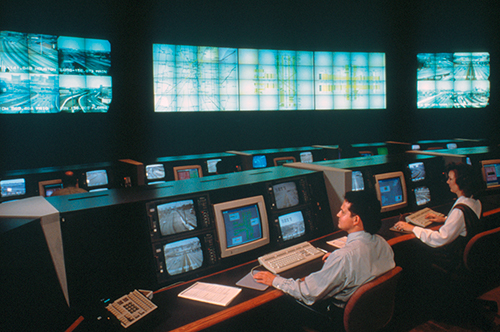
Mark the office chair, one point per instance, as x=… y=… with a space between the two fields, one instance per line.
x=371 y=306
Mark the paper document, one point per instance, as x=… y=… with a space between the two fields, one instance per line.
x=339 y=243
x=210 y=293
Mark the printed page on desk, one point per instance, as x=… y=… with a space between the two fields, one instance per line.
x=339 y=243
x=210 y=293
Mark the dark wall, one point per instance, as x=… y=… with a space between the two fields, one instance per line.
x=131 y=129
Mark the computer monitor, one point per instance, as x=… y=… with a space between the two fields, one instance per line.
x=47 y=188
x=212 y=165
x=451 y=146
x=391 y=191
x=306 y=157
x=417 y=171
x=242 y=225
x=292 y=225
x=278 y=161
x=422 y=195
x=366 y=153
x=358 y=183
x=187 y=172
x=259 y=161
x=155 y=172
x=13 y=187
x=96 y=178
x=491 y=173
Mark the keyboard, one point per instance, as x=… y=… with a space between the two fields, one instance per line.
x=130 y=308
x=287 y=258
x=418 y=218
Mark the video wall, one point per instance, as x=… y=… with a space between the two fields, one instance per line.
x=198 y=78
x=52 y=74
x=453 y=80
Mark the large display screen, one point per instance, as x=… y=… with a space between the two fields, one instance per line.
x=52 y=74
x=453 y=80
x=200 y=78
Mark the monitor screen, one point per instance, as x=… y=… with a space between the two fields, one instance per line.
x=366 y=153
x=417 y=171
x=453 y=80
x=292 y=225
x=187 y=172
x=451 y=145
x=422 y=195
x=155 y=172
x=391 y=190
x=242 y=225
x=13 y=187
x=212 y=165
x=283 y=160
x=96 y=178
x=306 y=157
x=358 y=182
x=285 y=194
x=259 y=161
x=47 y=188
x=183 y=256
x=176 y=217
x=491 y=173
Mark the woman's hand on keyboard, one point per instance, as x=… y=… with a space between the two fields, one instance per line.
x=404 y=226
x=434 y=217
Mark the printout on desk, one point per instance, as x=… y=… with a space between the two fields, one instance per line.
x=339 y=243
x=210 y=293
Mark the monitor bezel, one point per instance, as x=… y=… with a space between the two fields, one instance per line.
x=103 y=185
x=277 y=159
x=42 y=184
x=176 y=169
x=391 y=175
x=155 y=179
x=219 y=208
x=487 y=162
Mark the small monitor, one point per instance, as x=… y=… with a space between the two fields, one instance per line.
x=13 y=187
x=491 y=173
x=47 y=188
x=187 y=172
x=422 y=195
x=212 y=165
x=417 y=171
x=155 y=172
x=183 y=256
x=278 y=161
x=391 y=191
x=242 y=225
x=366 y=153
x=292 y=225
x=306 y=157
x=415 y=147
x=285 y=194
x=96 y=178
x=259 y=161
x=176 y=217
x=358 y=183
x=451 y=145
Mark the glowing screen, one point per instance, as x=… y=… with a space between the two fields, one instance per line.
x=259 y=161
x=358 y=183
x=52 y=74
x=417 y=171
x=453 y=80
x=391 y=191
x=492 y=174
x=422 y=195
x=242 y=225
x=177 y=217
x=183 y=256
x=188 y=173
x=97 y=178
x=285 y=195
x=14 y=187
x=200 y=78
x=292 y=225
x=155 y=171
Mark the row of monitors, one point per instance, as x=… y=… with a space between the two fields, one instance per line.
x=189 y=234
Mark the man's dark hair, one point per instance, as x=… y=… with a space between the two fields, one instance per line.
x=365 y=205
x=466 y=178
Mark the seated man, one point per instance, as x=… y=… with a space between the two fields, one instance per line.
x=365 y=256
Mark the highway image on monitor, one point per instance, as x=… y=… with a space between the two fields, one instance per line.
x=453 y=80
x=417 y=171
x=183 y=256
x=422 y=195
x=286 y=195
x=177 y=217
x=51 y=74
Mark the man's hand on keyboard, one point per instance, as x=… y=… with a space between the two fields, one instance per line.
x=264 y=277
x=434 y=217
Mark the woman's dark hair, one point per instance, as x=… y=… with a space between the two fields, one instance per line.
x=467 y=178
x=365 y=205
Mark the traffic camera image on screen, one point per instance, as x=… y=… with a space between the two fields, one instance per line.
x=183 y=256
x=292 y=225
x=286 y=195
x=177 y=217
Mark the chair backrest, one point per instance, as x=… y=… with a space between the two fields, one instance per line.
x=482 y=253
x=371 y=306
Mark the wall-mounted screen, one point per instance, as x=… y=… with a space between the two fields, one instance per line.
x=453 y=80
x=200 y=78
x=52 y=74
x=13 y=187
